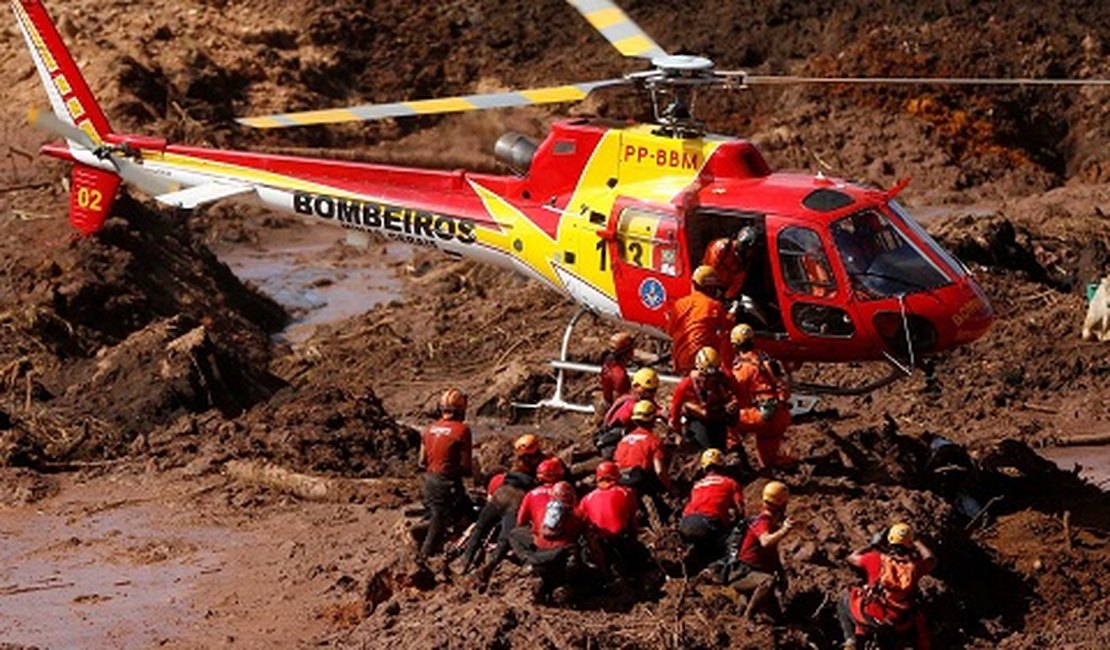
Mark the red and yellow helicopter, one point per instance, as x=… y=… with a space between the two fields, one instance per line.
x=613 y=216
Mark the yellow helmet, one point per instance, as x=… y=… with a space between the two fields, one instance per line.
x=526 y=445
x=643 y=411
x=741 y=334
x=711 y=457
x=900 y=534
x=705 y=276
x=776 y=494
x=645 y=378
x=707 y=359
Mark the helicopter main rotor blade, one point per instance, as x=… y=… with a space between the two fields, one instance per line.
x=368 y=112
x=786 y=80
x=617 y=28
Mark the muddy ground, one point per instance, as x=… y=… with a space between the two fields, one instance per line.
x=135 y=365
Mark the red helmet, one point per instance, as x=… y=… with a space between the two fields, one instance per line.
x=562 y=491
x=608 y=471
x=551 y=470
x=453 y=400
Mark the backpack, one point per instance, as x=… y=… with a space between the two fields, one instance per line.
x=894 y=587
x=730 y=568
x=555 y=515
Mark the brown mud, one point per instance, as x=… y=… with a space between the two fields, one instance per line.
x=135 y=364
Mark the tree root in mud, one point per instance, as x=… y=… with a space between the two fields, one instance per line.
x=309 y=487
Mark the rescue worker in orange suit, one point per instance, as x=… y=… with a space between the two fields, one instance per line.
x=756 y=567
x=506 y=491
x=716 y=504
x=614 y=376
x=730 y=257
x=618 y=419
x=445 y=457
x=642 y=460
x=699 y=320
x=890 y=595
x=704 y=404
x=610 y=512
x=552 y=544
x=763 y=390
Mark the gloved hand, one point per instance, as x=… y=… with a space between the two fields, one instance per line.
x=877 y=539
x=767 y=409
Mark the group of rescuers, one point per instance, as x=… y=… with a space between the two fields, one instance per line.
x=730 y=389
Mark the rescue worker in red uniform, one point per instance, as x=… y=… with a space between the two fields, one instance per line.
x=730 y=257
x=506 y=491
x=704 y=404
x=757 y=567
x=716 y=504
x=610 y=512
x=889 y=598
x=642 y=460
x=699 y=320
x=530 y=513
x=614 y=376
x=763 y=389
x=552 y=545
x=618 y=420
x=445 y=457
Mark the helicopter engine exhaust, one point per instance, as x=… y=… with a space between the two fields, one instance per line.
x=516 y=151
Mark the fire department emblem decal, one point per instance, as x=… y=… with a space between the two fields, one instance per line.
x=652 y=293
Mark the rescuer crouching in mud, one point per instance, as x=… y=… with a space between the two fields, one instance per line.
x=446 y=458
x=505 y=492
x=886 y=605
x=551 y=537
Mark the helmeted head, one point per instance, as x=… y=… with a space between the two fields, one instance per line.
x=563 y=491
x=776 y=495
x=742 y=335
x=622 y=344
x=643 y=412
x=705 y=278
x=900 y=534
x=453 y=403
x=607 y=473
x=711 y=458
x=746 y=239
x=645 y=381
x=526 y=445
x=551 y=470
x=707 y=361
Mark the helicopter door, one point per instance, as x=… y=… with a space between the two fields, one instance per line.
x=813 y=303
x=646 y=263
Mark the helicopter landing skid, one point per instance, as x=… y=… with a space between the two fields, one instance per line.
x=800 y=403
x=563 y=364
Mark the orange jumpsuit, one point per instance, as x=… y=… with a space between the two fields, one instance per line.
x=696 y=321
x=757 y=382
x=721 y=255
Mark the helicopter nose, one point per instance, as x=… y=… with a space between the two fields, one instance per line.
x=973 y=315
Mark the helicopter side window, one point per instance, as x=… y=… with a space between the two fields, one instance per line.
x=805 y=267
x=648 y=240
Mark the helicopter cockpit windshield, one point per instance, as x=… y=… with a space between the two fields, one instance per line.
x=880 y=259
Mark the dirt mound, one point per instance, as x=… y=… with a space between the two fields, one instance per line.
x=114 y=334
